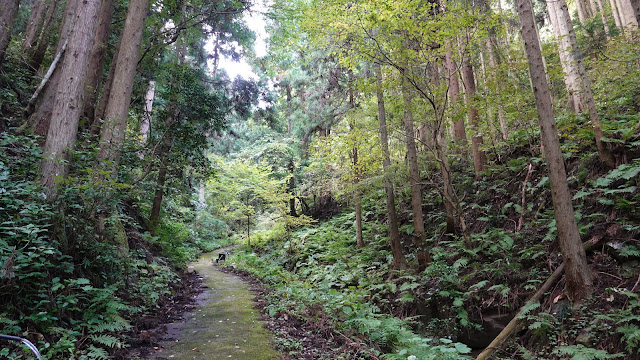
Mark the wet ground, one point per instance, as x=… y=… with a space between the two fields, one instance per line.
x=223 y=325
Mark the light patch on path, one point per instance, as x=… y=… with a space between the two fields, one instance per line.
x=223 y=326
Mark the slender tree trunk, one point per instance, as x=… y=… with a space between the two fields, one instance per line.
x=414 y=175
x=36 y=52
x=41 y=117
x=603 y=18
x=96 y=64
x=569 y=83
x=34 y=24
x=577 y=74
x=468 y=78
x=399 y=261
x=289 y=109
x=115 y=121
x=579 y=281
x=493 y=63
x=145 y=121
x=8 y=12
x=453 y=93
x=616 y=14
x=357 y=199
x=356 y=171
x=581 y=10
x=68 y=100
x=291 y=187
x=98 y=118
x=154 y=218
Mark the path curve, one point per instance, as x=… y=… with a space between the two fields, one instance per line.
x=224 y=325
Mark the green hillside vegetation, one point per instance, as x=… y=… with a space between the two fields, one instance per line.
x=389 y=175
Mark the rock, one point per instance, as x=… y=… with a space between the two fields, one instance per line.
x=584 y=337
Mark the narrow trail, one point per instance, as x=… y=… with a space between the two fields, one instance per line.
x=224 y=325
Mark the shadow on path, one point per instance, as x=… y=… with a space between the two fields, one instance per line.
x=224 y=325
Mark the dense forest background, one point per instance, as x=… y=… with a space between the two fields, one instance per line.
x=408 y=178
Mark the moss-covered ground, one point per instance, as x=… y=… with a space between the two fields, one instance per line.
x=225 y=325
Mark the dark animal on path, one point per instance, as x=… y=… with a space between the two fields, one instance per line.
x=222 y=256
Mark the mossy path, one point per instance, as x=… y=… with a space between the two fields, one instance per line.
x=223 y=326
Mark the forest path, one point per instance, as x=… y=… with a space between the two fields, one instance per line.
x=224 y=325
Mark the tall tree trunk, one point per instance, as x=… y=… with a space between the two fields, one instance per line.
x=356 y=171
x=581 y=10
x=41 y=117
x=579 y=281
x=627 y=14
x=37 y=50
x=289 y=109
x=468 y=78
x=603 y=18
x=154 y=218
x=453 y=93
x=98 y=117
x=115 y=119
x=34 y=24
x=357 y=199
x=399 y=261
x=68 y=100
x=616 y=14
x=577 y=76
x=414 y=174
x=145 y=122
x=291 y=187
x=593 y=7
x=494 y=63
x=96 y=64
x=8 y=12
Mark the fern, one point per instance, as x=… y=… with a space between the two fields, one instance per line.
x=114 y=324
x=96 y=353
x=108 y=341
x=580 y=352
x=630 y=337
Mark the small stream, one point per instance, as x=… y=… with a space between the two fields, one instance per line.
x=224 y=325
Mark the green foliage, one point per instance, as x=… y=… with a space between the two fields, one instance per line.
x=580 y=352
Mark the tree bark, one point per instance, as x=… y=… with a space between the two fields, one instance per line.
x=117 y=112
x=289 y=110
x=453 y=93
x=68 y=100
x=468 y=78
x=34 y=24
x=414 y=174
x=98 y=117
x=627 y=14
x=8 y=12
x=581 y=10
x=42 y=116
x=357 y=200
x=494 y=63
x=579 y=280
x=578 y=82
x=616 y=14
x=356 y=172
x=603 y=18
x=37 y=50
x=96 y=63
x=154 y=218
x=145 y=123
x=399 y=261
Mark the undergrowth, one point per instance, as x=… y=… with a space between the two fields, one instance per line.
x=71 y=288
x=464 y=293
